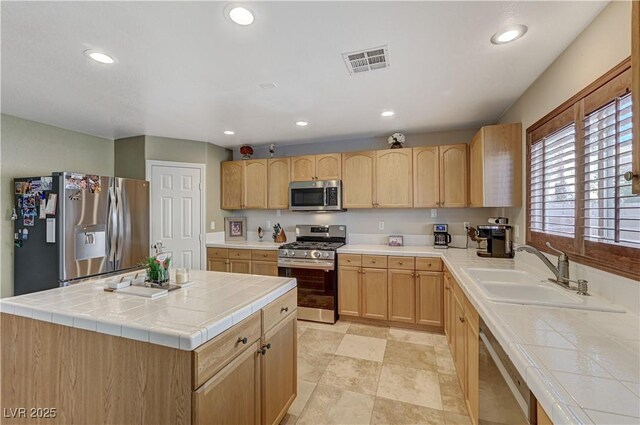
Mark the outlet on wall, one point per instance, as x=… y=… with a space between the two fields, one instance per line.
x=381 y=225
x=267 y=224
x=516 y=231
x=278 y=213
x=466 y=225
x=434 y=213
x=213 y=225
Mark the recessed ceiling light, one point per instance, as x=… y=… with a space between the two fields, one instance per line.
x=229 y=132
x=509 y=34
x=238 y=14
x=99 y=57
x=302 y=123
x=388 y=113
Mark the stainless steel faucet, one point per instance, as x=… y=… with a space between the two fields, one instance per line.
x=561 y=271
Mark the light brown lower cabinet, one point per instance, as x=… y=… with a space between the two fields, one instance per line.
x=543 y=418
x=405 y=291
x=245 y=261
x=279 y=379
x=461 y=326
x=402 y=292
x=349 y=291
x=232 y=396
x=374 y=293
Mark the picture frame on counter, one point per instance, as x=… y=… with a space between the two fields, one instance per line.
x=235 y=229
x=396 y=240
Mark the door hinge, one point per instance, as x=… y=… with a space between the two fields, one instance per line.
x=200 y=237
x=200 y=186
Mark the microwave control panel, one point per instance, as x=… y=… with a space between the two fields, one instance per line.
x=332 y=196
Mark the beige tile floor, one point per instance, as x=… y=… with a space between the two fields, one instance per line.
x=350 y=373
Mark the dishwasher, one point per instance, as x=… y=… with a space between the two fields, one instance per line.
x=504 y=397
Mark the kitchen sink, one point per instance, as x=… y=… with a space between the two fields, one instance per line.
x=520 y=287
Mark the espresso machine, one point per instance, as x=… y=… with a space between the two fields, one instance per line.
x=498 y=236
x=441 y=236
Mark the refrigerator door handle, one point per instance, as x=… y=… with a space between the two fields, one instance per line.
x=121 y=226
x=113 y=219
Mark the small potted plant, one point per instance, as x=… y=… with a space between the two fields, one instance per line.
x=396 y=140
x=158 y=269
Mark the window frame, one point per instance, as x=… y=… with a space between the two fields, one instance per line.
x=620 y=260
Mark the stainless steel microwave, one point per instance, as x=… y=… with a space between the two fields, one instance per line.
x=317 y=195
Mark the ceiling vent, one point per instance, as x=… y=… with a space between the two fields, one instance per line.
x=367 y=60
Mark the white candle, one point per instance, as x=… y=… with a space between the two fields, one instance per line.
x=182 y=276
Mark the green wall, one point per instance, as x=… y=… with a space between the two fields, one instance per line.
x=28 y=148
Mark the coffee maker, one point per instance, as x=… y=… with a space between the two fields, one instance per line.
x=441 y=236
x=499 y=238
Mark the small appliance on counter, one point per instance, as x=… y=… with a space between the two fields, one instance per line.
x=499 y=239
x=441 y=236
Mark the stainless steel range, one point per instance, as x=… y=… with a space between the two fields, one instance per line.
x=312 y=260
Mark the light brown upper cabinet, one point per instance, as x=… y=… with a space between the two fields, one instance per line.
x=394 y=178
x=244 y=184
x=495 y=168
x=357 y=179
x=316 y=167
x=231 y=192
x=453 y=175
x=255 y=183
x=426 y=177
x=635 y=90
x=278 y=177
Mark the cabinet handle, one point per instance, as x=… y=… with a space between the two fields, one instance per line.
x=364 y=271
x=242 y=340
x=263 y=350
x=417 y=274
x=285 y=309
x=413 y=275
x=446 y=288
x=401 y=263
x=461 y=319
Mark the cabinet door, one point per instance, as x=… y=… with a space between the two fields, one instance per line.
x=426 y=177
x=240 y=266
x=402 y=293
x=394 y=178
x=232 y=396
x=231 y=180
x=255 y=183
x=264 y=268
x=453 y=176
x=278 y=180
x=217 y=265
x=460 y=335
x=349 y=291
x=328 y=166
x=374 y=293
x=447 y=308
x=279 y=370
x=429 y=299
x=476 y=170
x=357 y=179
x=472 y=394
x=303 y=168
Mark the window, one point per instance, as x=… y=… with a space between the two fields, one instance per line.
x=578 y=198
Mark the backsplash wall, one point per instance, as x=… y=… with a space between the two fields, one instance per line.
x=396 y=221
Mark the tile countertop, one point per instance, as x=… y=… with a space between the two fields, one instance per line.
x=185 y=318
x=266 y=245
x=583 y=366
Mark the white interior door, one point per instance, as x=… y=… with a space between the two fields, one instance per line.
x=176 y=211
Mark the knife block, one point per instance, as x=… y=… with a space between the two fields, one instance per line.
x=280 y=237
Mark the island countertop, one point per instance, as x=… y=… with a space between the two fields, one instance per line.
x=185 y=318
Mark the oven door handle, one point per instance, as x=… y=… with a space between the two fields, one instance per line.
x=327 y=266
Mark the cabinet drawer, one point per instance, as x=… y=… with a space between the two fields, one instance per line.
x=402 y=263
x=350 y=260
x=264 y=255
x=209 y=358
x=217 y=253
x=429 y=264
x=240 y=254
x=374 y=261
x=280 y=308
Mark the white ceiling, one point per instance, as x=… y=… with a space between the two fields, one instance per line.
x=185 y=71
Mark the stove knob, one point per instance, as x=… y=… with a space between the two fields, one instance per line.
x=283 y=253
x=291 y=253
x=317 y=254
x=325 y=255
x=306 y=253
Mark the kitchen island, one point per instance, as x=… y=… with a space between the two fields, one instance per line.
x=222 y=350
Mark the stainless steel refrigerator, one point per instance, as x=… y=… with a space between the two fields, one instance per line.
x=92 y=225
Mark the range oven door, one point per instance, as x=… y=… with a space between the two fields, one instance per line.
x=317 y=290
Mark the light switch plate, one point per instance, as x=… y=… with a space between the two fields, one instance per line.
x=381 y=225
